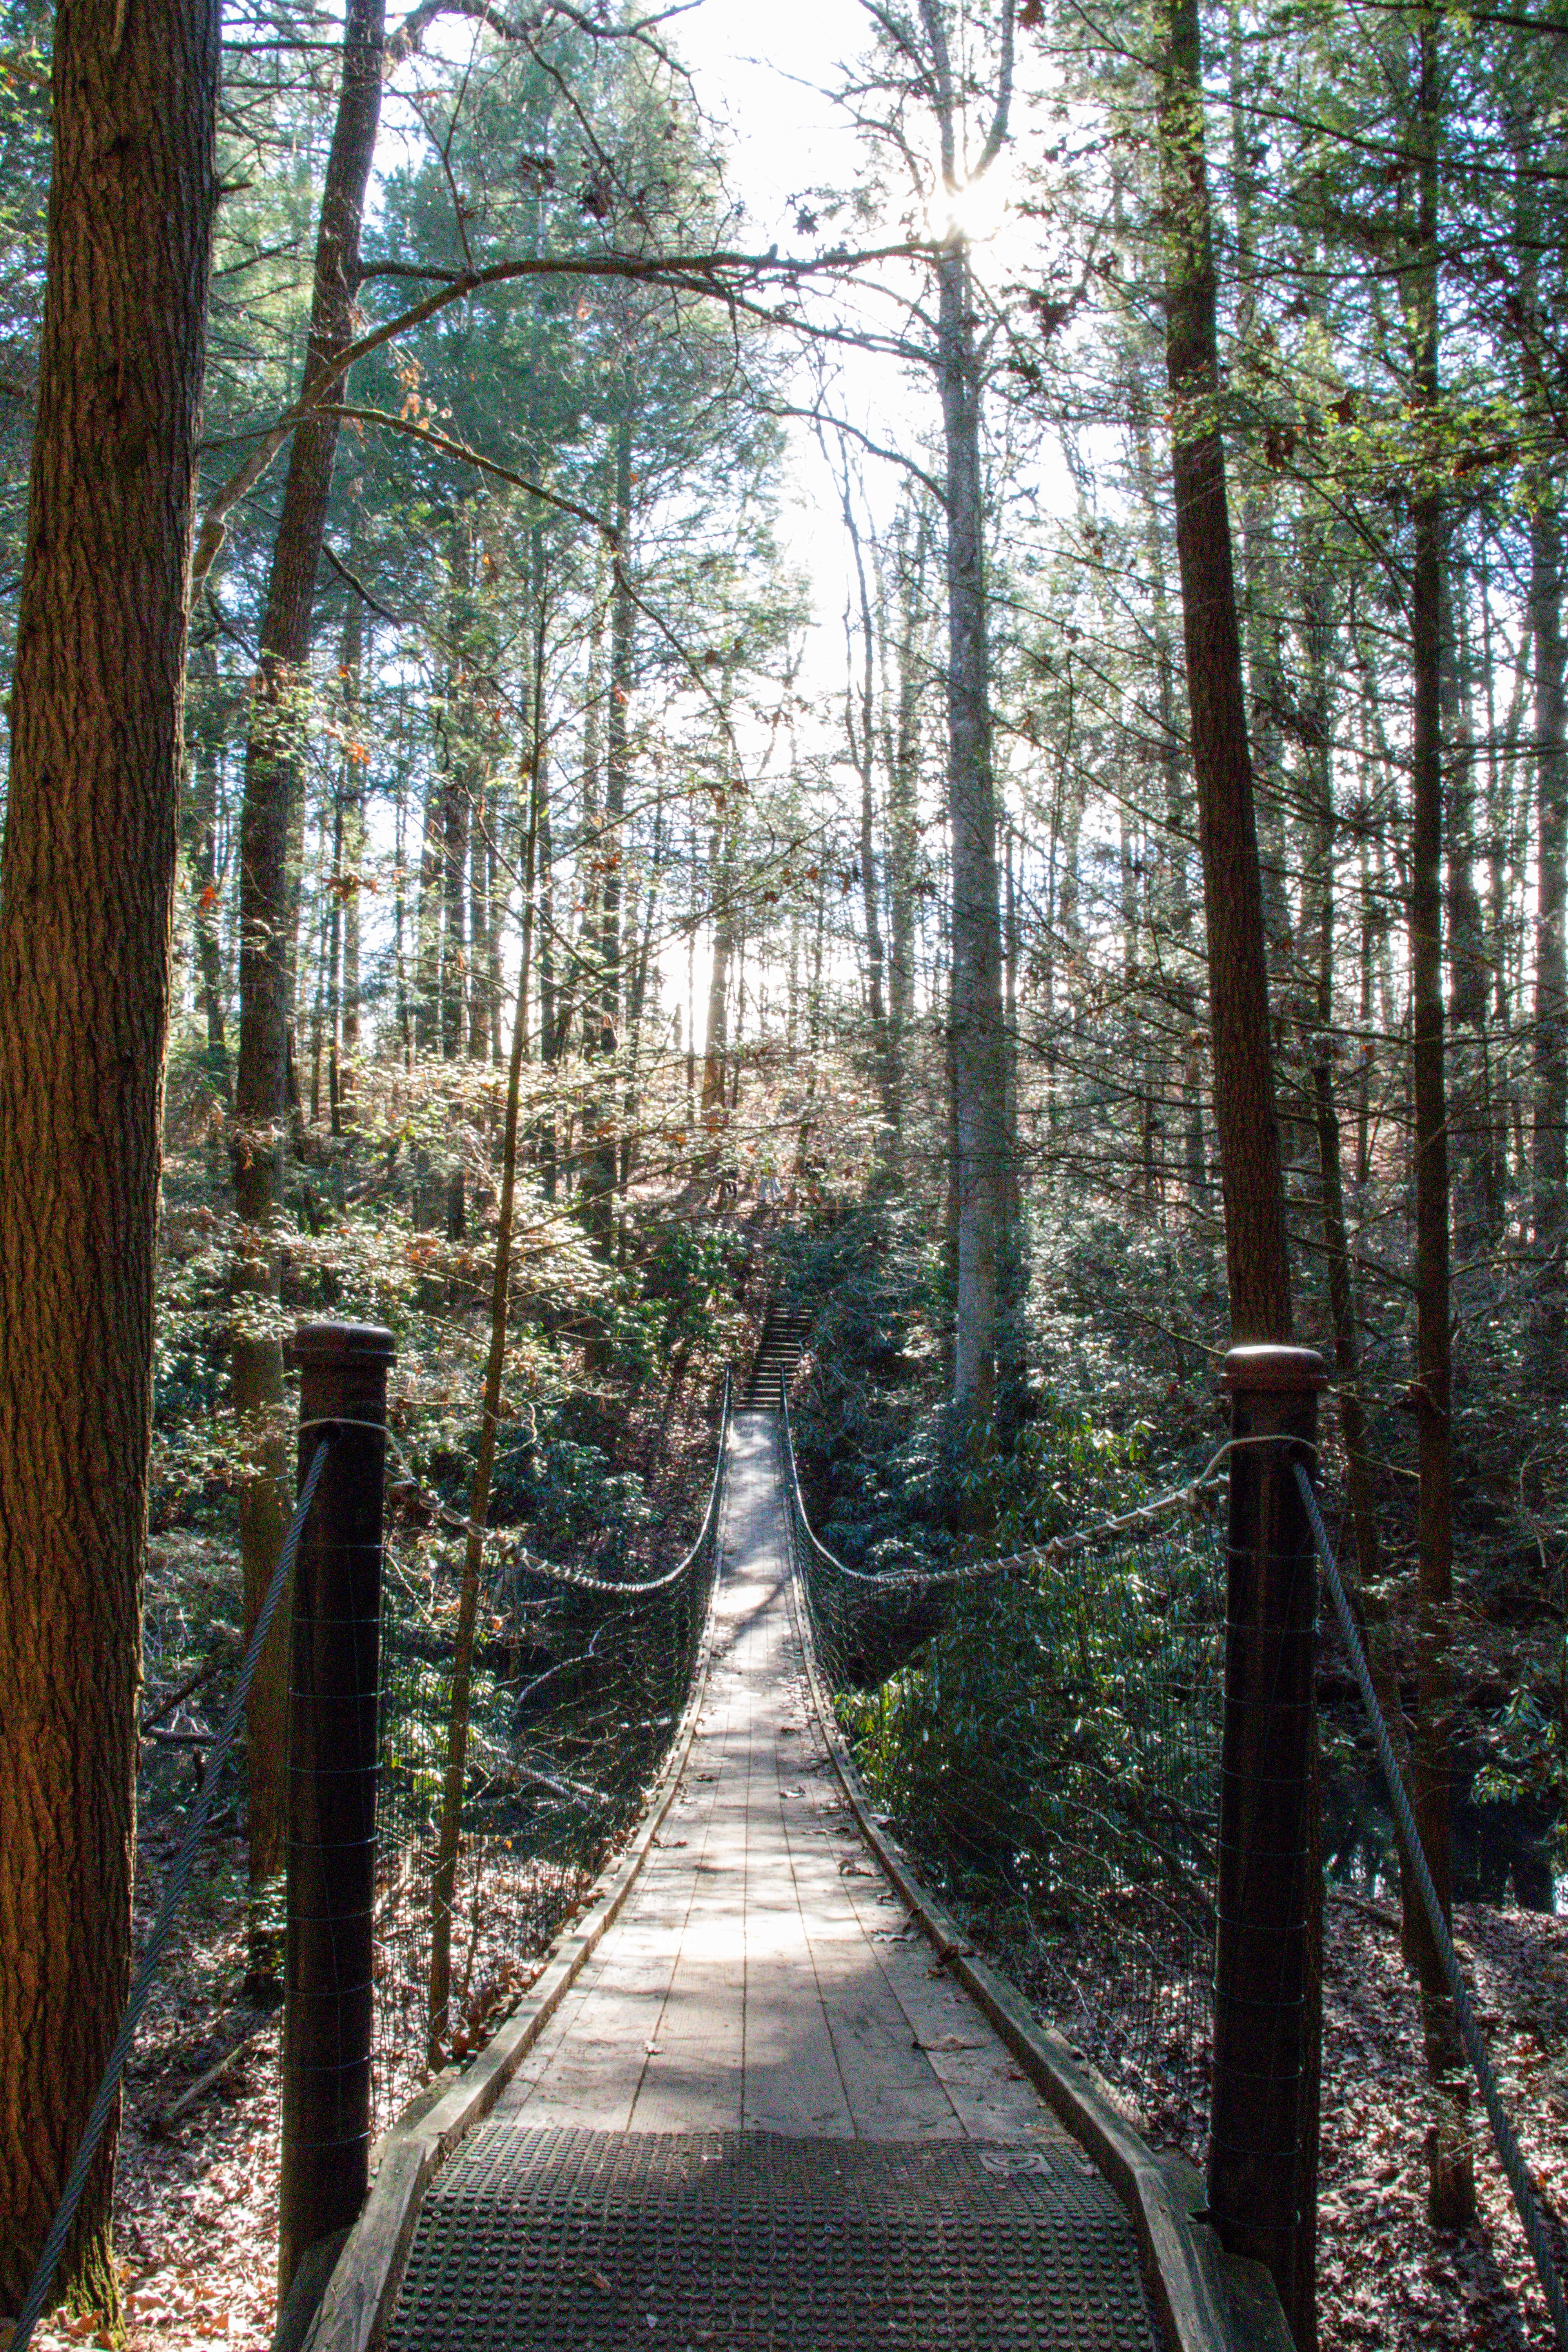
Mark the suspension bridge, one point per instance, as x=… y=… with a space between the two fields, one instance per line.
x=760 y=2090
x=765 y=2096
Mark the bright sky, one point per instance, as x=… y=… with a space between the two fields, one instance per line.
x=763 y=76
x=761 y=73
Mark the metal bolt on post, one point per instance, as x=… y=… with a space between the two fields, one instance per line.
x=1263 y=2129
x=334 y=1683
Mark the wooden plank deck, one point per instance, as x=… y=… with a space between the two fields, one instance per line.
x=764 y=1976
x=762 y=2119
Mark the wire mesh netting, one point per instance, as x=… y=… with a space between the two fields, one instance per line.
x=580 y=1680
x=1044 y=1733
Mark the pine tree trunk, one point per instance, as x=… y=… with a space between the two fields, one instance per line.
x=456 y=813
x=721 y=867
x=603 y=1028
x=426 y=993
x=1256 y=1252
x=273 y=793
x=903 y=813
x=979 y=1073
x=444 y=1876
x=456 y=789
x=1257 y=1248
x=86 y=908
x=1548 y=1158
x=357 y=656
x=198 y=821
x=1466 y=959
x=1452 y=2186
x=1359 y=1481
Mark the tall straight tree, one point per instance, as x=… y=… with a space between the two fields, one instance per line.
x=1258 y=1260
x=85 y=903
x=273 y=783
x=1452 y=2193
x=981 y=1142
x=1256 y=1252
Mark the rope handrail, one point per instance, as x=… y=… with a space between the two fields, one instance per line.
x=1195 y=1497
x=54 y=2246
x=1510 y=2154
x=507 y=1551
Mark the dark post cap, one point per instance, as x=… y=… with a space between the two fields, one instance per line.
x=1274 y=1371
x=342 y=1343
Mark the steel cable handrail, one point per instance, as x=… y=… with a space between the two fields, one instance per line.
x=1512 y=2155
x=59 y=2230
x=1197 y=1494
x=508 y=1552
x=1193 y=1496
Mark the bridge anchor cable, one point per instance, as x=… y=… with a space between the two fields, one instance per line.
x=1511 y=2155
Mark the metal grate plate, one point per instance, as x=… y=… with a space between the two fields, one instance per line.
x=747 y=2241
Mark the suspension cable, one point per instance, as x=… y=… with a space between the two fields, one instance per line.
x=1194 y=1497
x=43 y=2277
x=508 y=1552
x=1512 y=2157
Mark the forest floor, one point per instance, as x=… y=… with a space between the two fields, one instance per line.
x=198 y=2206
x=1385 y=2279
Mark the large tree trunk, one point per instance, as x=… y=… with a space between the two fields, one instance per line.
x=1188 y=1073
x=444 y=1876
x=982 y=1143
x=1549 y=676
x=1549 y=1159
x=1257 y=1249
x=716 y=1042
x=602 y=1028
x=903 y=813
x=1452 y=2187
x=198 y=826
x=1360 y=1477
x=860 y=731
x=459 y=774
x=979 y=1067
x=272 y=788
x=1465 y=957
x=86 y=905
x=1257 y=1254
x=358 y=658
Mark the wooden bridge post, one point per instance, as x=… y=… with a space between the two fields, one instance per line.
x=1262 y=2172
x=332 y=1755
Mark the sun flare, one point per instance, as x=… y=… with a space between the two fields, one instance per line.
x=976 y=210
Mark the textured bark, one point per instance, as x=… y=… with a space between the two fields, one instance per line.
x=357 y=659
x=426 y=1022
x=903 y=813
x=861 y=733
x=444 y=1879
x=602 y=1028
x=86 y=905
x=267 y=915
x=1360 y=1475
x=1257 y=1249
x=198 y=828
x=979 y=1068
x=1548 y=1159
x=716 y=1042
x=1549 y=679
x=460 y=770
x=1188 y=1075
x=1452 y=2191
x=1257 y=1254
x=1466 y=955
x=457 y=810
x=981 y=1141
